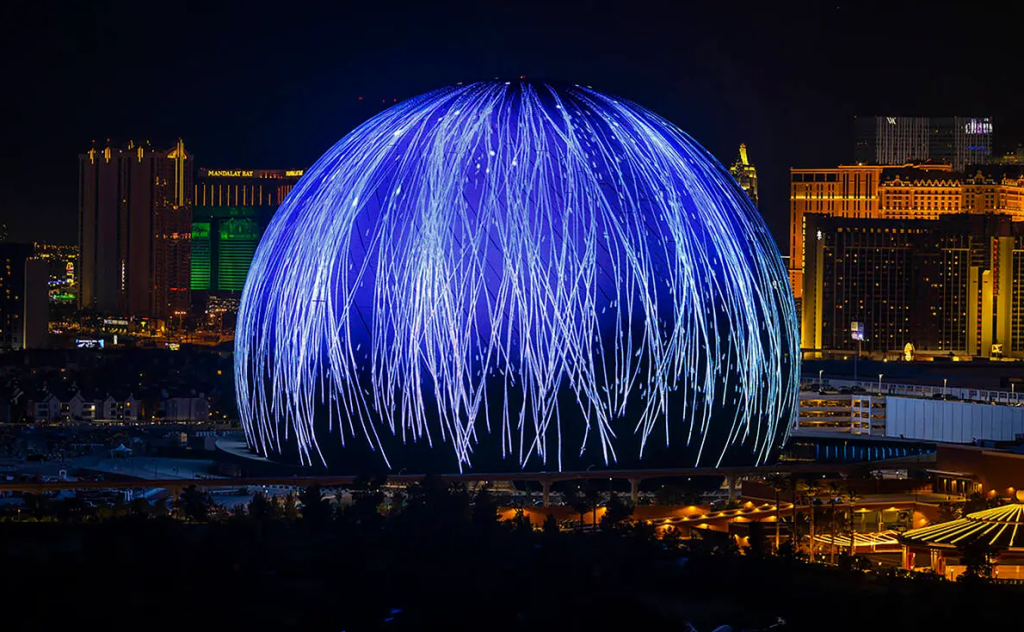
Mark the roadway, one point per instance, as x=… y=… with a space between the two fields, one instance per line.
x=544 y=478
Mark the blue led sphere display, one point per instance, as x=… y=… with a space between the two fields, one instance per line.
x=516 y=275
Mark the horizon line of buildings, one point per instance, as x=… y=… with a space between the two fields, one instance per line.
x=159 y=238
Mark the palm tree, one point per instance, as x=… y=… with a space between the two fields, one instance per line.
x=777 y=482
x=851 y=496
x=811 y=489
x=574 y=499
x=791 y=484
x=835 y=491
x=591 y=493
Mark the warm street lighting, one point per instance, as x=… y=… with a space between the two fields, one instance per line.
x=820 y=383
x=879 y=383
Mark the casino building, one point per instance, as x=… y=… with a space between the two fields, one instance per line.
x=232 y=209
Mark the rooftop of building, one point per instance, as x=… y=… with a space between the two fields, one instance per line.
x=1000 y=528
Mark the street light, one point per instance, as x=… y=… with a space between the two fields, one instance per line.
x=820 y=384
x=944 y=382
x=879 y=383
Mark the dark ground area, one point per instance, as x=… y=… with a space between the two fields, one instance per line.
x=443 y=562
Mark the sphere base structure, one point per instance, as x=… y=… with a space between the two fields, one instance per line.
x=517 y=275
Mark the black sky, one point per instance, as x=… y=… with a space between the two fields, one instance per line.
x=274 y=85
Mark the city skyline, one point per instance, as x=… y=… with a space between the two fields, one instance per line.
x=266 y=93
x=645 y=315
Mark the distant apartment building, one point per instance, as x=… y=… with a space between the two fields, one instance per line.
x=123 y=408
x=78 y=407
x=185 y=408
x=36 y=304
x=12 y=295
x=73 y=407
x=24 y=310
x=62 y=260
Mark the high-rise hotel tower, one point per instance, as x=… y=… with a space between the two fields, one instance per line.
x=135 y=229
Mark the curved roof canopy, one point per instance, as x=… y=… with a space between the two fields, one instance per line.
x=1001 y=527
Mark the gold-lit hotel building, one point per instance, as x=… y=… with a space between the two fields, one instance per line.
x=923 y=255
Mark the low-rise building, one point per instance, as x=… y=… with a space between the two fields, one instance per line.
x=44 y=406
x=123 y=408
x=187 y=408
x=71 y=406
x=77 y=406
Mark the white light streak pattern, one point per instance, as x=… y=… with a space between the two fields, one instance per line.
x=473 y=263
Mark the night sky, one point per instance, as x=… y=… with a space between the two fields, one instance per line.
x=254 y=85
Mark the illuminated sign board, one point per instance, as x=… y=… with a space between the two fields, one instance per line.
x=85 y=343
x=121 y=322
x=978 y=126
x=252 y=173
x=857 y=331
x=237 y=173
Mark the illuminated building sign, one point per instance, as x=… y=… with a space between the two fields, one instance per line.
x=252 y=173
x=119 y=322
x=85 y=343
x=978 y=126
x=857 y=331
x=237 y=173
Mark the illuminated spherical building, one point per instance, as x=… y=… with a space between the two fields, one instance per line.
x=516 y=275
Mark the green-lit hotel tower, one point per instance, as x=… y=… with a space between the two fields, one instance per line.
x=232 y=209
